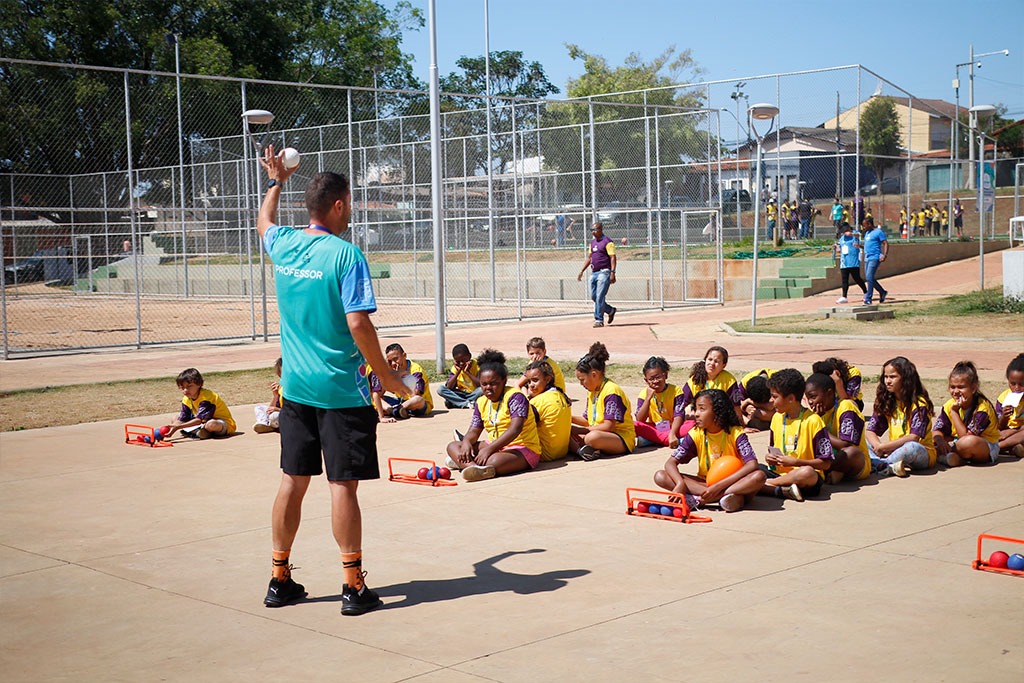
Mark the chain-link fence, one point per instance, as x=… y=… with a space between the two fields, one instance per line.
x=129 y=197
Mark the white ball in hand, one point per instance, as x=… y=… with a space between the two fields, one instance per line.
x=291 y=157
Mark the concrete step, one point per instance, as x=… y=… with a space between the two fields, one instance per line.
x=872 y=312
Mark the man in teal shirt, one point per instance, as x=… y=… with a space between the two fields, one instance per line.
x=876 y=248
x=325 y=298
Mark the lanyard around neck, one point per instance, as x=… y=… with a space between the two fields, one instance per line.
x=314 y=226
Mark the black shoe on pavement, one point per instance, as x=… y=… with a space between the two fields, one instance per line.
x=611 y=316
x=281 y=593
x=354 y=603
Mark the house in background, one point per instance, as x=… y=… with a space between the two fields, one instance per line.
x=925 y=125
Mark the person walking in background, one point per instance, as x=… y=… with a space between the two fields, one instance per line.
x=876 y=248
x=804 y=212
x=837 y=215
x=601 y=261
x=958 y=218
x=848 y=250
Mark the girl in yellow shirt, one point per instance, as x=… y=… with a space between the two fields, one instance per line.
x=513 y=444
x=711 y=374
x=904 y=409
x=1011 y=417
x=606 y=428
x=718 y=432
x=967 y=429
x=552 y=409
x=659 y=407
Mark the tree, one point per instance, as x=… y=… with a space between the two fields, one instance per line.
x=511 y=76
x=311 y=41
x=879 y=135
x=625 y=94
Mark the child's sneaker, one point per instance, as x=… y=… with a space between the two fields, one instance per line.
x=589 y=453
x=450 y=463
x=731 y=502
x=459 y=436
x=203 y=433
x=1018 y=450
x=281 y=593
x=792 y=492
x=261 y=428
x=899 y=469
x=354 y=603
x=478 y=472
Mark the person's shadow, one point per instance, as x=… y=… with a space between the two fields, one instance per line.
x=486 y=578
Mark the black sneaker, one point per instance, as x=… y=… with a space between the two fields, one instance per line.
x=281 y=593
x=611 y=316
x=354 y=603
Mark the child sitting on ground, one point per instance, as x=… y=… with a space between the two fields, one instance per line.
x=845 y=425
x=551 y=405
x=659 y=407
x=756 y=406
x=537 y=350
x=904 y=409
x=847 y=378
x=512 y=444
x=267 y=414
x=462 y=388
x=799 y=450
x=416 y=402
x=606 y=427
x=711 y=374
x=967 y=428
x=1010 y=408
x=717 y=432
x=203 y=413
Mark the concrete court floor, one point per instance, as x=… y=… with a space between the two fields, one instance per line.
x=127 y=563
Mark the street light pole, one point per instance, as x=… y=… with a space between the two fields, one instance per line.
x=761 y=112
x=971 y=64
x=982 y=112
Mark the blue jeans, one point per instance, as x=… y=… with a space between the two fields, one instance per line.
x=805 y=228
x=870 y=275
x=913 y=454
x=600 y=281
x=459 y=398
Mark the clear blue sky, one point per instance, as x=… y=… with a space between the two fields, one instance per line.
x=912 y=43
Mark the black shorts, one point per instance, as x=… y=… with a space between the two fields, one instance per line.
x=805 y=491
x=343 y=439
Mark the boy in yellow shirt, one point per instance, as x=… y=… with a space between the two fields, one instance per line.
x=462 y=388
x=203 y=413
x=416 y=401
x=799 y=450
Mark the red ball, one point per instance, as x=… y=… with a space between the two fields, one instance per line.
x=162 y=431
x=677 y=512
x=998 y=559
x=140 y=439
x=642 y=507
x=446 y=473
x=422 y=473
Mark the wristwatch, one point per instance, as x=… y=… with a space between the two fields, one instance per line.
x=273 y=183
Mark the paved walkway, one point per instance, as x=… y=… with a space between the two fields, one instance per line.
x=125 y=563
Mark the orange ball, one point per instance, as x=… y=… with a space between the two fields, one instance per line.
x=723 y=466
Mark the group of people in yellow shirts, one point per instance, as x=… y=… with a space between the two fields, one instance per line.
x=818 y=432
x=928 y=220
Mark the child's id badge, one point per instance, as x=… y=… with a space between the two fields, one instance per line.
x=845 y=249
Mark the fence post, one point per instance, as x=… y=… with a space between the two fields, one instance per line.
x=136 y=241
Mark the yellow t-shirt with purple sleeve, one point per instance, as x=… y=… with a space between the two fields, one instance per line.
x=421 y=388
x=845 y=421
x=708 y=447
x=725 y=381
x=1016 y=420
x=609 y=402
x=980 y=420
x=664 y=406
x=803 y=437
x=917 y=422
x=496 y=418
x=207 y=406
x=462 y=382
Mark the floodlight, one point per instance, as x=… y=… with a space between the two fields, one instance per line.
x=258 y=116
x=763 y=111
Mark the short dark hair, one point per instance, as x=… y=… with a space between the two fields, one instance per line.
x=1016 y=365
x=821 y=381
x=460 y=350
x=757 y=389
x=787 y=382
x=190 y=376
x=394 y=347
x=323 y=190
x=536 y=343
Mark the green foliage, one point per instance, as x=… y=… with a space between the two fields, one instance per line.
x=680 y=137
x=511 y=76
x=984 y=301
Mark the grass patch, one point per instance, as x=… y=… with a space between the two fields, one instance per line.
x=987 y=314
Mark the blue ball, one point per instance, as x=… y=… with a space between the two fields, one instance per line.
x=663 y=510
x=147 y=439
x=1016 y=562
